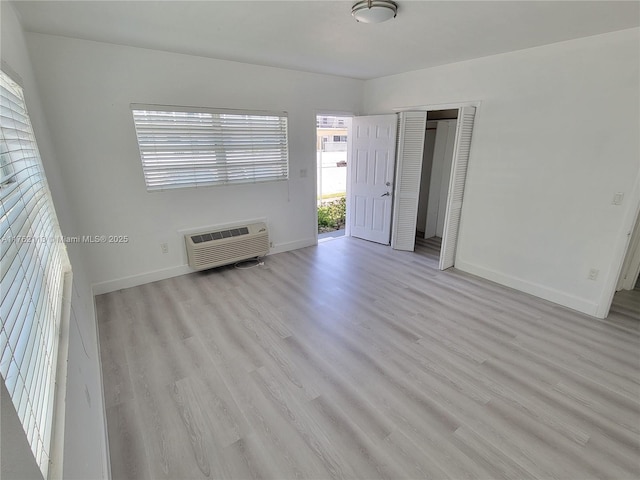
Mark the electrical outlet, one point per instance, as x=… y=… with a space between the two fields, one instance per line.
x=593 y=274
x=164 y=247
x=303 y=173
x=271 y=244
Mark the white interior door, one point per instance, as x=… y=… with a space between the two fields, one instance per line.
x=413 y=126
x=464 y=132
x=372 y=165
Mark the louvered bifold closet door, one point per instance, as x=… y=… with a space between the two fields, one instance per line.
x=33 y=262
x=464 y=132
x=411 y=131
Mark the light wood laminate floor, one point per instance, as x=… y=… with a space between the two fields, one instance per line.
x=351 y=360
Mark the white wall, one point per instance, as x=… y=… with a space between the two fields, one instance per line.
x=440 y=177
x=425 y=175
x=87 y=89
x=16 y=460
x=555 y=136
x=85 y=452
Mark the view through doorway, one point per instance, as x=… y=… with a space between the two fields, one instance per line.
x=332 y=156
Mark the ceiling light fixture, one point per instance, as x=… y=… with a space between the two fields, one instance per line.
x=374 y=11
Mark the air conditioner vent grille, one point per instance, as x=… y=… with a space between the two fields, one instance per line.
x=208 y=237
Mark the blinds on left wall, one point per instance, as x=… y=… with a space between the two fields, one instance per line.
x=33 y=264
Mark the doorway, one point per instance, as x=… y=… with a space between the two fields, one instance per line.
x=332 y=135
x=437 y=162
x=626 y=300
x=630 y=274
x=411 y=138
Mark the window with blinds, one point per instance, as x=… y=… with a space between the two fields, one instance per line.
x=193 y=147
x=33 y=262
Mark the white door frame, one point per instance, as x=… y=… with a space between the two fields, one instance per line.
x=440 y=106
x=315 y=165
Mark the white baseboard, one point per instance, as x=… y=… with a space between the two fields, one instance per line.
x=156 y=275
x=141 y=279
x=295 y=245
x=541 y=291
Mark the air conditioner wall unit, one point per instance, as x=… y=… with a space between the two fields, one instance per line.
x=224 y=246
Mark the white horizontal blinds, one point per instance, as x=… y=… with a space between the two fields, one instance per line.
x=181 y=148
x=32 y=265
x=254 y=147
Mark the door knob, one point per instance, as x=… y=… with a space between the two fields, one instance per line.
x=388 y=184
x=385 y=194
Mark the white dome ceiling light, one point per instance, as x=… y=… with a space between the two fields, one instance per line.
x=374 y=11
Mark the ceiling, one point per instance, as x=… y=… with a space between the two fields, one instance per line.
x=321 y=36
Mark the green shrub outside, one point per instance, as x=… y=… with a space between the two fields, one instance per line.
x=332 y=214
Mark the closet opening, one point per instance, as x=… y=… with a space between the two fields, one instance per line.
x=437 y=162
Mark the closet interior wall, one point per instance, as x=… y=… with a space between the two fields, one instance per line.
x=437 y=159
